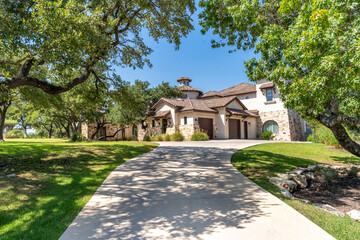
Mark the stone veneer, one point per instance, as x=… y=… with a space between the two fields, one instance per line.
x=88 y=129
x=290 y=127
x=188 y=130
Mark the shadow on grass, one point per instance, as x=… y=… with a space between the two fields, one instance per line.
x=53 y=183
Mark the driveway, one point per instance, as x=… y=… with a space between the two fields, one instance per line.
x=187 y=190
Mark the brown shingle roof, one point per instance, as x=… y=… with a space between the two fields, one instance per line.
x=239 y=89
x=210 y=94
x=185 y=88
x=192 y=104
x=245 y=113
x=184 y=78
x=222 y=102
x=267 y=85
x=161 y=114
x=173 y=102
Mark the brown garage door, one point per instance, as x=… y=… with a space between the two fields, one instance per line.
x=234 y=128
x=206 y=125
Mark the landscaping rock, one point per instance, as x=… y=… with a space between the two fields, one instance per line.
x=354 y=214
x=2 y=163
x=309 y=176
x=11 y=175
x=285 y=192
x=276 y=181
x=315 y=167
x=329 y=209
x=297 y=171
x=300 y=180
x=289 y=185
x=285 y=176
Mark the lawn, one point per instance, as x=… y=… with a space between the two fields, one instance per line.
x=54 y=180
x=261 y=162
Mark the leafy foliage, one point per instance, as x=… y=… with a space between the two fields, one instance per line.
x=199 y=136
x=267 y=135
x=177 y=137
x=309 y=48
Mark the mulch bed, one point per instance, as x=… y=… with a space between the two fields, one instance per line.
x=343 y=193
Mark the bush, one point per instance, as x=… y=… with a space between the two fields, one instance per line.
x=167 y=137
x=324 y=135
x=309 y=139
x=147 y=138
x=77 y=138
x=328 y=174
x=200 y=136
x=15 y=133
x=177 y=137
x=267 y=135
x=158 y=138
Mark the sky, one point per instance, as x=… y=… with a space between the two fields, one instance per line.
x=209 y=69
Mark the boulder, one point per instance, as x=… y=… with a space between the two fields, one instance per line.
x=300 y=180
x=11 y=175
x=285 y=192
x=289 y=185
x=309 y=176
x=354 y=214
x=297 y=171
x=312 y=168
x=276 y=181
x=285 y=176
x=329 y=209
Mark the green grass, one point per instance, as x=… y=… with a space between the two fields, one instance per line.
x=261 y=162
x=55 y=179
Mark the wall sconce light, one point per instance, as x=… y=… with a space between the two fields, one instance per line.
x=249 y=123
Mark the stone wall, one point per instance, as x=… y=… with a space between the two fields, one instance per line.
x=290 y=125
x=188 y=130
x=88 y=129
x=282 y=119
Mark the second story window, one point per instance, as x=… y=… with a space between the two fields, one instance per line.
x=269 y=95
x=185 y=120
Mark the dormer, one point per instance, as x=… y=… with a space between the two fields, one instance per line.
x=184 y=81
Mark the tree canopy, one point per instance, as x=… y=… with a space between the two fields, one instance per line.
x=309 y=48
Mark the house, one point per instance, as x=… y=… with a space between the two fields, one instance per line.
x=243 y=111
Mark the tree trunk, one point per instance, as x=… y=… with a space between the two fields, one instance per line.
x=50 y=131
x=111 y=136
x=2 y=124
x=98 y=126
x=344 y=139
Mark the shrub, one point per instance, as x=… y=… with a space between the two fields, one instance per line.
x=324 y=135
x=328 y=174
x=267 y=135
x=15 y=133
x=77 y=138
x=167 y=137
x=309 y=138
x=147 y=138
x=177 y=137
x=158 y=138
x=200 y=136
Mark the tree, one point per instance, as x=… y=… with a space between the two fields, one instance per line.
x=310 y=49
x=57 y=45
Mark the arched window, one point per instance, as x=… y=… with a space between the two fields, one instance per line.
x=271 y=126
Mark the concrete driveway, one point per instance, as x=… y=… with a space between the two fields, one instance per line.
x=188 y=190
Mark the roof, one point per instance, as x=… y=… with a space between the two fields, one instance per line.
x=184 y=78
x=239 y=89
x=173 y=102
x=222 y=102
x=267 y=85
x=193 y=104
x=185 y=88
x=244 y=113
x=211 y=94
x=161 y=114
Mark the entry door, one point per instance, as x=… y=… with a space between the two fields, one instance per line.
x=234 y=129
x=206 y=125
x=246 y=130
x=164 y=126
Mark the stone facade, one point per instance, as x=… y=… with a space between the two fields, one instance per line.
x=188 y=130
x=88 y=129
x=290 y=125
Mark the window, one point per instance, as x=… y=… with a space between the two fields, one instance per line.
x=185 y=120
x=269 y=95
x=135 y=131
x=185 y=96
x=247 y=97
x=271 y=126
x=153 y=123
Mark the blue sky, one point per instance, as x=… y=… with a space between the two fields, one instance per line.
x=210 y=69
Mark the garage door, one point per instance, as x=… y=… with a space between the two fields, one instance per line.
x=206 y=125
x=234 y=128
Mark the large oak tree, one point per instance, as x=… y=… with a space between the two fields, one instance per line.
x=309 y=48
x=56 y=45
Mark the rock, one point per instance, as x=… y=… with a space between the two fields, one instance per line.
x=6 y=170
x=309 y=176
x=297 y=171
x=338 y=167
x=313 y=167
x=11 y=175
x=300 y=180
x=276 y=181
x=289 y=185
x=285 y=176
x=329 y=209
x=285 y=192
x=354 y=214
x=10 y=159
